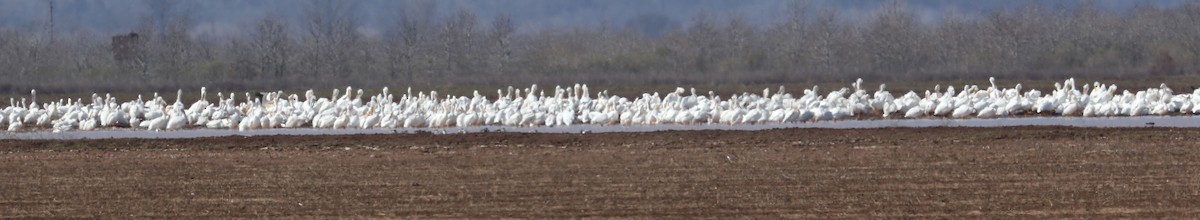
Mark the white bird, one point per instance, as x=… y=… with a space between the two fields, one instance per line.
x=157 y=124
x=567 y=106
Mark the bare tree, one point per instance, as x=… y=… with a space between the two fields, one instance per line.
x=165 y=49
x=460 y=35
x=500 y=43
x=330 y=46
x=788 y=34
x=273 y=45
x=892 y=37
x=409 y=43
x=702 y=42
x=331 y=40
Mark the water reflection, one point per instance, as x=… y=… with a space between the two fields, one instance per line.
x=1172 y=121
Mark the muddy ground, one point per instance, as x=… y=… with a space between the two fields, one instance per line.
x=1017 y=172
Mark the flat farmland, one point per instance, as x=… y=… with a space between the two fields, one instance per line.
x=1007 y=172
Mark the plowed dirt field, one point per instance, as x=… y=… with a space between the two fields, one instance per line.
x=1011 y=172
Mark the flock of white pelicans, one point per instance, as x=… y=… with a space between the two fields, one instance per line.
x=576 y=105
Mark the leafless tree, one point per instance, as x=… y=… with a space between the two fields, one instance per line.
x=330 y=47
x=460 y=36
x=409 y=43
x=273 y=45
x=331 y=40
x=500 y=42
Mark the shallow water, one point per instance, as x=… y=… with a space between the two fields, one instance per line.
x=1146 y=121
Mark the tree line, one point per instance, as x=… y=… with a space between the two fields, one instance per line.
x=420 y=48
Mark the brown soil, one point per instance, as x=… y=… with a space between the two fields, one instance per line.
x=1021 y=172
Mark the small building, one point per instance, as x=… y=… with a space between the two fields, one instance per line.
x=125 y=48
